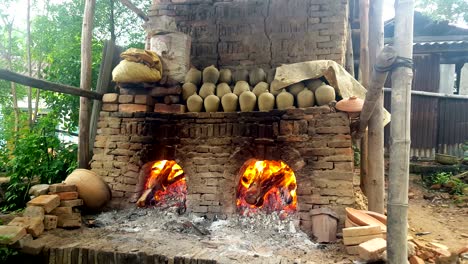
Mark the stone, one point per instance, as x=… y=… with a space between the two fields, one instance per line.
x=361 y=231
x=71 y=203
x=32 y=247
x=34 y=211
x=110 y=98
x=48 y=202
x=10 y=234
x=62 y=187
x=62 y=210
x=33 y=225
x=39 y=189
x=356 y=240
x=50 y=222
x=68 y=195
x=372 y=250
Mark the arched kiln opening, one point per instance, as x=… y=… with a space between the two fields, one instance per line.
x=164 y=186
x=266 y=185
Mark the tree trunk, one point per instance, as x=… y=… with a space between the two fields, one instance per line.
x=349 y=52
x=28 y=44
x=364 y=78
x=38 y=92
x=85 y=83
x=397 y=205
x=9 y=26
x=375 y=180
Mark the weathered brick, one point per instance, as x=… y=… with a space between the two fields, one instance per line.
x=286 y=127
x=319 y=151
x=126 y=99
x=10 y=234
x=338 y=158
x=62 y=210
x=62 y=187
x=71 y=203
x=144 y=99
x=33 y=225
x=321 y=165
x=333 y=130
x=132 y=108
x=110 y=98
x=348 y=192
x=339 y=144
x=371 y=250
x=173 y=108
x=48 y=202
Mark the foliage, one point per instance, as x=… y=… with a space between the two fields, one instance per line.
x=447 y=181
x=38 y=155
x=357 y=155
x=6 y=254
x=445 y=10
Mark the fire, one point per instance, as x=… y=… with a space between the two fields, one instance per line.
x=165 y=185
x=268 y=185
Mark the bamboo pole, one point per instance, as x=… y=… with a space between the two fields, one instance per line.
x=85 y=83
x=397 y=205
x=375 y=180
x=364 y=78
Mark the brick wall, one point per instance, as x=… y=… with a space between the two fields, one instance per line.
x=264 y=33
x=212 y=147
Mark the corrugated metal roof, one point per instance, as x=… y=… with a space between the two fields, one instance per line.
x=442 y=42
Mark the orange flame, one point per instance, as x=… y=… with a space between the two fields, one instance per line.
x=269 y=185
x=167 y=181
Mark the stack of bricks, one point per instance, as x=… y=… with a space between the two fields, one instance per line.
x=66 y=214
x=240 y=34
x=354 y=236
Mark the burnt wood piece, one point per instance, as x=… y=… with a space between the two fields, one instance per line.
x=257 y=191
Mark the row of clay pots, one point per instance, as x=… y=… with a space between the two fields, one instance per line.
x=248 y=100
x=212 y=75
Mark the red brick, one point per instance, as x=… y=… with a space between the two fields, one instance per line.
x=110 y=107
x=132 y=108
x=68 y=195
x=110 y=98
x=48 y=202
x=371 y=250
x=144 y=99
x=62 y=187
x=173 y=108
x=125 y=99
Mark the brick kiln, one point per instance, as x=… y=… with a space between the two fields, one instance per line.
x=210 y=154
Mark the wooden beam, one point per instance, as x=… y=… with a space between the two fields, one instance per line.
x=375 y=180
x=135 y=9
x=402 y=77
x=85 y=83
x=46 y=85
x=429 y=94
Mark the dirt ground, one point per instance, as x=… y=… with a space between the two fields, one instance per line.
x=446 y=222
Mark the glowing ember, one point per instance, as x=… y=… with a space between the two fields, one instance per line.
x=268 y=185
x=165 y=185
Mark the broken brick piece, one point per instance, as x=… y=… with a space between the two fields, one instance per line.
x=10 y=234
x=372 y=250
x=416 y=260
x=50 y=222
x=352 y=250
x=62 y=187
x=34 y=211
x=33 y=225
x=48 y=202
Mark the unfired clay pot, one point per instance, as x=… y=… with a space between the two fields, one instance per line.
x=194 y=103
x=222 y=89
x=256 y=75
x=261 y=87
x=188 y=89
x=193 y=76
x=91 y=188
x=210 y=75
x=305 y=98
x=296 y=88
x=324 y=94
x=240 y=87
x=211 y=103
x=225 y=76
x=284 y=100
x=266 y=102
x=229 y=102
x=207 y=89
x=247 y=101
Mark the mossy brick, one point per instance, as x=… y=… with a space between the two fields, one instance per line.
x=48 y=202
x=62 y=187
x=10 y=234
x=33 y=225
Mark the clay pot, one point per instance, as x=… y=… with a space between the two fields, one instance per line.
x=324 y=94
x=266 y=102
x=193 y=76
x=188 y=89
x=350 y=105
x=222 y=89
x=247 y=101
x=256 y=75
x=240 y=75
x=210 y=75
x=270 y=75
x=91 y=188
x=229 y=102
x=225 y=76
x=207 y=89
x=305 y=98
x=211 y=103
x=195 y=103
x=274 y=87
x=313 y=84
x=284 y=100
x=240 y=87
x=261 y=87
x=296 y=88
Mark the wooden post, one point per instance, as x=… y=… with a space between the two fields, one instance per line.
x=102 y=86
x=397 y=205
x=375 y=180
x=364 y=78
x=85 y=83
x=349 y=52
